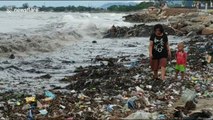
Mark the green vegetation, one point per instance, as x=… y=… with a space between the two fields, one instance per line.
x=114 y=8
x=70 y=9
x=124 y=8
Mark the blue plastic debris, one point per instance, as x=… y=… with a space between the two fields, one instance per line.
x=131 y=103
x=161 y=117
x=49 y=94
x=30 y=115
x=110 y=108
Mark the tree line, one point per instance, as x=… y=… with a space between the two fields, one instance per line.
x=113 y=8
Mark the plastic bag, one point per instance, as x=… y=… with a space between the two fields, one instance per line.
x=139 y=115
x=188 y=95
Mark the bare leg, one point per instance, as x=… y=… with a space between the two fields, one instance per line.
x=155 y=74
x=176 y=75
x=182 y=75
x=163 y=72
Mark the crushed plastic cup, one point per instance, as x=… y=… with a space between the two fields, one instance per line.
x=61 y=106
x=30 y=99
x=82 y=96
x=131 y=102
x=110 y=108
x=149 y=86
x=26 y=107
x=203 y=87
x=43 y=112
x=138 y=89
x=39 y=105
x=47 y=99
x=194 y=78
x=49 y=94
x=170 y=69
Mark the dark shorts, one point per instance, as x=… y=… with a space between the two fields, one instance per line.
x=158 y=63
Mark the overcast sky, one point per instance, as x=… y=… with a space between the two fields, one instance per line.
x=61 y=3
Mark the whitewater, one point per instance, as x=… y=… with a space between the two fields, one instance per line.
x=56 y=43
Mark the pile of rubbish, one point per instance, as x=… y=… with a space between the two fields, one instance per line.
x=140 y=30
x=123 y=88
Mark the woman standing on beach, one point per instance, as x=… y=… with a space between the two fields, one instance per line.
x=159 y=51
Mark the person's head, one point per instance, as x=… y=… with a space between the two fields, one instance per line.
x=180 y=46
x=158 y=29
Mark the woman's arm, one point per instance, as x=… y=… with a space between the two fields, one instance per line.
x=169 y=51
x=186 y=59
x=150 y=48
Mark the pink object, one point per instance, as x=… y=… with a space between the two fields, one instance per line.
x=71 y=118
x=181 y=58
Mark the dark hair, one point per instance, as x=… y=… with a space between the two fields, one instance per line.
x=160 y=27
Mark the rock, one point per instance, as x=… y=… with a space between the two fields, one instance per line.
x=200 y=115
x=207 y=31
x=67 y=62
x=12 y=56
x=47 y=76
x=191 y=34
x=94 y=41
x=29 y=40
x=4 y=49
x=141 y=18
x=196 y=19
x=211 y=26
x=190 y=105
x=140 y=30
x=130 y=45
x=196 y=28
x=153 y=10
x=191 y=22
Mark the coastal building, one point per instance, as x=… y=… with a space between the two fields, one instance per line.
x=202 y=4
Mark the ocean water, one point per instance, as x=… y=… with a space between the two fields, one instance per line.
x=55 y=44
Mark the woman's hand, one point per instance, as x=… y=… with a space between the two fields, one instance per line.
x=169 y=55
x=150 y=55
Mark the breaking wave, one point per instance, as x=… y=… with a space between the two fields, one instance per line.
x=62 y=29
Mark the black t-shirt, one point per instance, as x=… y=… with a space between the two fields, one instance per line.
x=159 y=49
